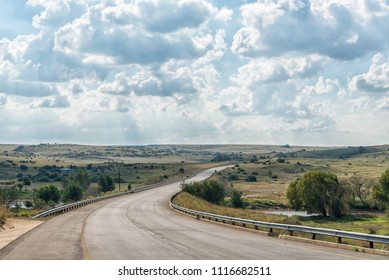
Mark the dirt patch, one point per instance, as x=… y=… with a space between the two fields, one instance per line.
x=14 y=228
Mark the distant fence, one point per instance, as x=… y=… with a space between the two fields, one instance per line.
x=339 y=234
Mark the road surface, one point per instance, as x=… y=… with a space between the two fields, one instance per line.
x=142 y=226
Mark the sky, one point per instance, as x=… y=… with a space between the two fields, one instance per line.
x=136 y=72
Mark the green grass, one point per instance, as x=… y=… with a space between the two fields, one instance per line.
x=373 y=224
x=188 y=201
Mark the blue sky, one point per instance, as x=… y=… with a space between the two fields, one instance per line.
x=302 y=72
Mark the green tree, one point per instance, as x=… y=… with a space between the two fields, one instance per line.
x=106 y=183
x=8 y=196
x=49 y=193
x=212 y=191
x=73 y=191
x=318 y=192
x=80 y=176
x=294 y=195
x=236 y=199
x=381 y=190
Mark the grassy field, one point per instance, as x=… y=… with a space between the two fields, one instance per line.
x=273 y=167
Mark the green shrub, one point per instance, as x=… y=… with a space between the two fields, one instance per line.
x=236 y=199
x=49 y=193
x=210 y=190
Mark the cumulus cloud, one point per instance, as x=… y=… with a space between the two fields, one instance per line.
x=277 y=27
x=278 y=69
x=142 y=32
x=375 y=80
x=58 y=101
x=147 y=83
x=195 y=71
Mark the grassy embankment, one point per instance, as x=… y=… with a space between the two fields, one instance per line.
x=273 y=178
x=374 y=224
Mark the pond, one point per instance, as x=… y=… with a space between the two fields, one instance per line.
x=291 y=213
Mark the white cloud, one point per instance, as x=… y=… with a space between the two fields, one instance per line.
x=224 y=15
x=194 y=71
x=278 y=27
x=375 y=80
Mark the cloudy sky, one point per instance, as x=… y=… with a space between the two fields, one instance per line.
x=302 y=72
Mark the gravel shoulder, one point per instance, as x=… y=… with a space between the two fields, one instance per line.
x=15 y=228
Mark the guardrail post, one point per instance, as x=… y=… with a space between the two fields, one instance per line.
x=291 y=232
x=339 y=240
x=270 y=229
x=197 y=217
x=371 y=245
x=314 y=236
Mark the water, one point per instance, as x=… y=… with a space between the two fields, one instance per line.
x=291 y=213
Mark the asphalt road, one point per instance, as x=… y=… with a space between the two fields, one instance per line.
x=142 y=226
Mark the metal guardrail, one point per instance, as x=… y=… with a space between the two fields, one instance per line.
x=72 y=206
x=371 y=238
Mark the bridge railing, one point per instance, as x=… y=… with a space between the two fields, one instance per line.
x=339 y=234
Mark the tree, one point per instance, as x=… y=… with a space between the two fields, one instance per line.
x=73 y=191
x=236 y=199
x=362 y=188
x=106 y=183
x=381 y=190
x=80 y=176
x=212 y=191
x=49 y=193
x=318 y=192
x=294 y=195
x=8 y=196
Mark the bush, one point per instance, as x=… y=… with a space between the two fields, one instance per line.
x=23 y=167
x=210 y=190
x=49 y=193
x=381 y=190
x=106 y=183
x=251 y=178
x=39 y=203
x=236 y=199
x=73 y=192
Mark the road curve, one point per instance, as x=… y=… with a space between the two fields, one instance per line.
x=142 y=226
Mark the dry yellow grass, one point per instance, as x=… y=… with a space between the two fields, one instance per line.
x=3 y=215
